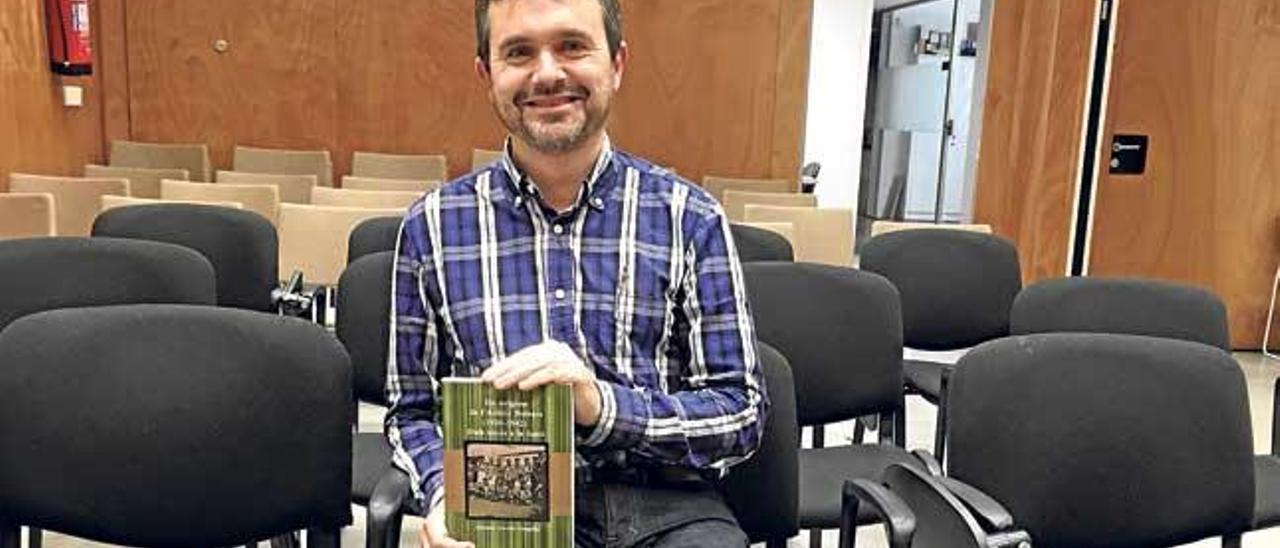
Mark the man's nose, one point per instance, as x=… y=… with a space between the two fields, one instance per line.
x=548 y=69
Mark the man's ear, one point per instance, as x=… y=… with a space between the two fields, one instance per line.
x=620 y=63
x=482 y=71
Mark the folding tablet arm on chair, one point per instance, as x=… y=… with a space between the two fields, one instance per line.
x=294 y=300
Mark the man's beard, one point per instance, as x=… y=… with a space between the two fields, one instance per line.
x=553 y=141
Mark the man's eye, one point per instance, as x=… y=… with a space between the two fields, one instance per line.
x=516 y=54
x=574 y=47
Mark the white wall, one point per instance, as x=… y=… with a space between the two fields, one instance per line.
x=837 y=97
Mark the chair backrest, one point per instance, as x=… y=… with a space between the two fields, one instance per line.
x=364 y=322
x=313 y=239
x=285 y=162
x=885 y=227
x=376 y=199
x=481 y=157
x=373 y=235
x=758 y=244
x=76 y=200
x=112 y=202
x=241 y=245
x=48 y=273
x=1122 y=305
x=294 y=189
x=763 y=492
x=144 y=182
x=957 y=287
x=786 y=230
x=397 y=185
x=822 y=235
x=27 y=215
x=841 y=331
x=1105 y=440
x=193 y=157
x=261 y=199
x=399 y=166
x=736 y=201
x=716 y=186
x=190 y=425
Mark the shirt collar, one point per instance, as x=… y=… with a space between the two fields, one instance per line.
x=524 y=188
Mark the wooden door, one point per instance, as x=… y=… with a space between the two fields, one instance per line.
x=273 y=85
x=1201 y=79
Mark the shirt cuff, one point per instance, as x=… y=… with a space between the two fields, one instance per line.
x=623 y=416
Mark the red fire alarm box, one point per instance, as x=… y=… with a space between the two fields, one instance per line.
x=70 y=40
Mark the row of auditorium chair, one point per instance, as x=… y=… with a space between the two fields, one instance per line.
x=194 y=158
x=1136 y=433
x=1092 y=411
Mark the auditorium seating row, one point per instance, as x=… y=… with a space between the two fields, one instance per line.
x=1090 y=411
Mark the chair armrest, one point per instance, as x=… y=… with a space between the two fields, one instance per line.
x=386 y=507
x=990 y=514
x=929 y=462
x=898 y=519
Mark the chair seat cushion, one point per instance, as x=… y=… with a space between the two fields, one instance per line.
x=923 y=377
x=822 y=475
x=1266 y=478
x=370 y=460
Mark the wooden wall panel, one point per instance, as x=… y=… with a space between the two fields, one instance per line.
x=795 y=26
x=701 y=89
x=37 y=133
x=274 y=87
x=1202 y=79
x=1032 y=127
x=408 y=83
x=715 y=86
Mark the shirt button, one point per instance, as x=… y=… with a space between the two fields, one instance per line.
x=558 y=229
x=560 y=294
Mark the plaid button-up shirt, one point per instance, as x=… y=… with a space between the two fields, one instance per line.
x=640 y=278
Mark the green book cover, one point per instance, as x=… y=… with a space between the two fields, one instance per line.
x=508 y=464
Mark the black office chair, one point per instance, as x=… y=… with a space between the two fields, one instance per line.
x=956 y=289
x=363 y=326
x=756 y=244
x=763 y=492
x=841 y=331
x=1106 y=440
x=1130 y=306
x=921 y=511
x=241 y=245
x=373 y=235
x=47 y=273
x=1153 y=308
x=173 y=425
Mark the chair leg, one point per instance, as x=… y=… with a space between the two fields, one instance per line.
x=819 y=437
x=1271 y=315
x=35 y=537
x=775 y=543
x=815 y=538
x=1231 y=541
x=287 y=540
x=940 y=432
x=324 y=538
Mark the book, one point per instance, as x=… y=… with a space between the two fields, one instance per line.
x=508 y=464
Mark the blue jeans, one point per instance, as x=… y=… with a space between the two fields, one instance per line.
x=612 y=514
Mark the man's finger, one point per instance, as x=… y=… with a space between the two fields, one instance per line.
x=549 y=375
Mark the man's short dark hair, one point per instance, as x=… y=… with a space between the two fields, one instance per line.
x=612 y=27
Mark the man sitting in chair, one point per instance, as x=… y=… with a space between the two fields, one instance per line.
x=568 y=261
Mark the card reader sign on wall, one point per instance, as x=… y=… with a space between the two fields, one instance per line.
x=1128 y=154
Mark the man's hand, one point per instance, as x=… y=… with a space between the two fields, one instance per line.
x=434 y=534
x=550 y=362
